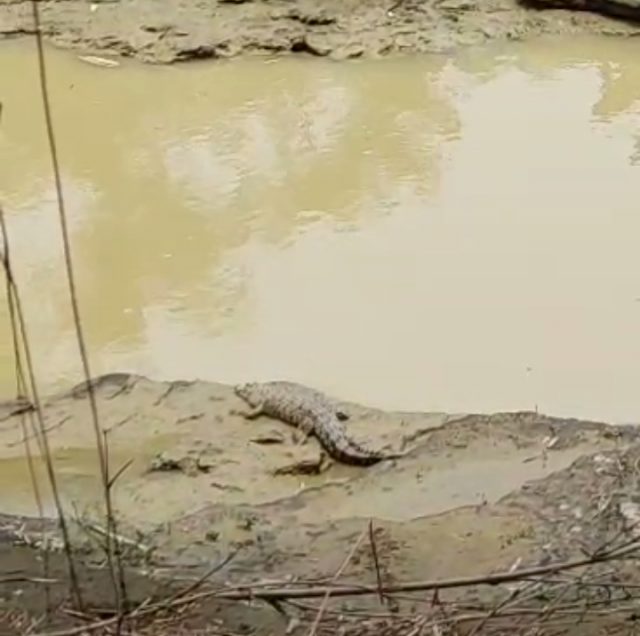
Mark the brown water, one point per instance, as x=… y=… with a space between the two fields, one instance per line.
x=434 y=234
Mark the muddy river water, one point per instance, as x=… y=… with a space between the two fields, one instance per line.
x=438 y=234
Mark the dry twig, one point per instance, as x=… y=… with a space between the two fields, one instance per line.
x=41 y=434
x=362 y=590
x=336 y=576
x=374 y=553
x=117 y=570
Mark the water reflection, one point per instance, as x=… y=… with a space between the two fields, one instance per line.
x=417 y=233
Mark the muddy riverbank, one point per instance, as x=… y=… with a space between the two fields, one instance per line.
x=187 y=448
x=188 y=30
x=475 y=494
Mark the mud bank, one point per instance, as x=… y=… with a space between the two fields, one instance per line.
x=186 y=447
x=200 y=481
x=475 y=494
x=186 y=30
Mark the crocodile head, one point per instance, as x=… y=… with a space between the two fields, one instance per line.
x=249 y=391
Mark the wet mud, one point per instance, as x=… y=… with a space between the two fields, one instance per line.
x=194 y=30
x=186 y=445
x=476 y=493
x=199 y=479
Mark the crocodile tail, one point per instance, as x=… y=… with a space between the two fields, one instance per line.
x=362 y=456
x=344 y=451
x=357 y=457
x=374 y=457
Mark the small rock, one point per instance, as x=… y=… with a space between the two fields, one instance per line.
x=269 y=438
x=316 y=44
x=187 y=464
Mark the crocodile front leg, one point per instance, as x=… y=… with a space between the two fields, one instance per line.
x=306 y=429
x=250 y=414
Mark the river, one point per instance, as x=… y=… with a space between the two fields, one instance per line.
x=418 y=233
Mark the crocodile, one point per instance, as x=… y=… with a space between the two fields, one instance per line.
x=313 y=414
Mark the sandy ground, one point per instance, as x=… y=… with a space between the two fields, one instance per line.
x=173 y=30
x=475 y=494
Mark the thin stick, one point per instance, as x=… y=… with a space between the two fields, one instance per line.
x=374 y=552
x=27 y=579
x=116 y=538
x=196 y=584
x=119 y=582
x=553 y=605
x=118 y=473
x=144 y=610
x=46 y=451
x=495 y=611
x=35 y=435
x=415 y=586
x=314 y=592
x=352 y=590
x=21 y=389
x=336 y=576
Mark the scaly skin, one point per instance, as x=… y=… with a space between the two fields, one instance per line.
x=311 y=412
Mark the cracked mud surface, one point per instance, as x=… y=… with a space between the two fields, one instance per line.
x=175 y=30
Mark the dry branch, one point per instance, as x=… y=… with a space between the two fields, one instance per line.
x=117 y=569
x=423 y=586
x=271 y=593
x=336 y=576
x=19 y=324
